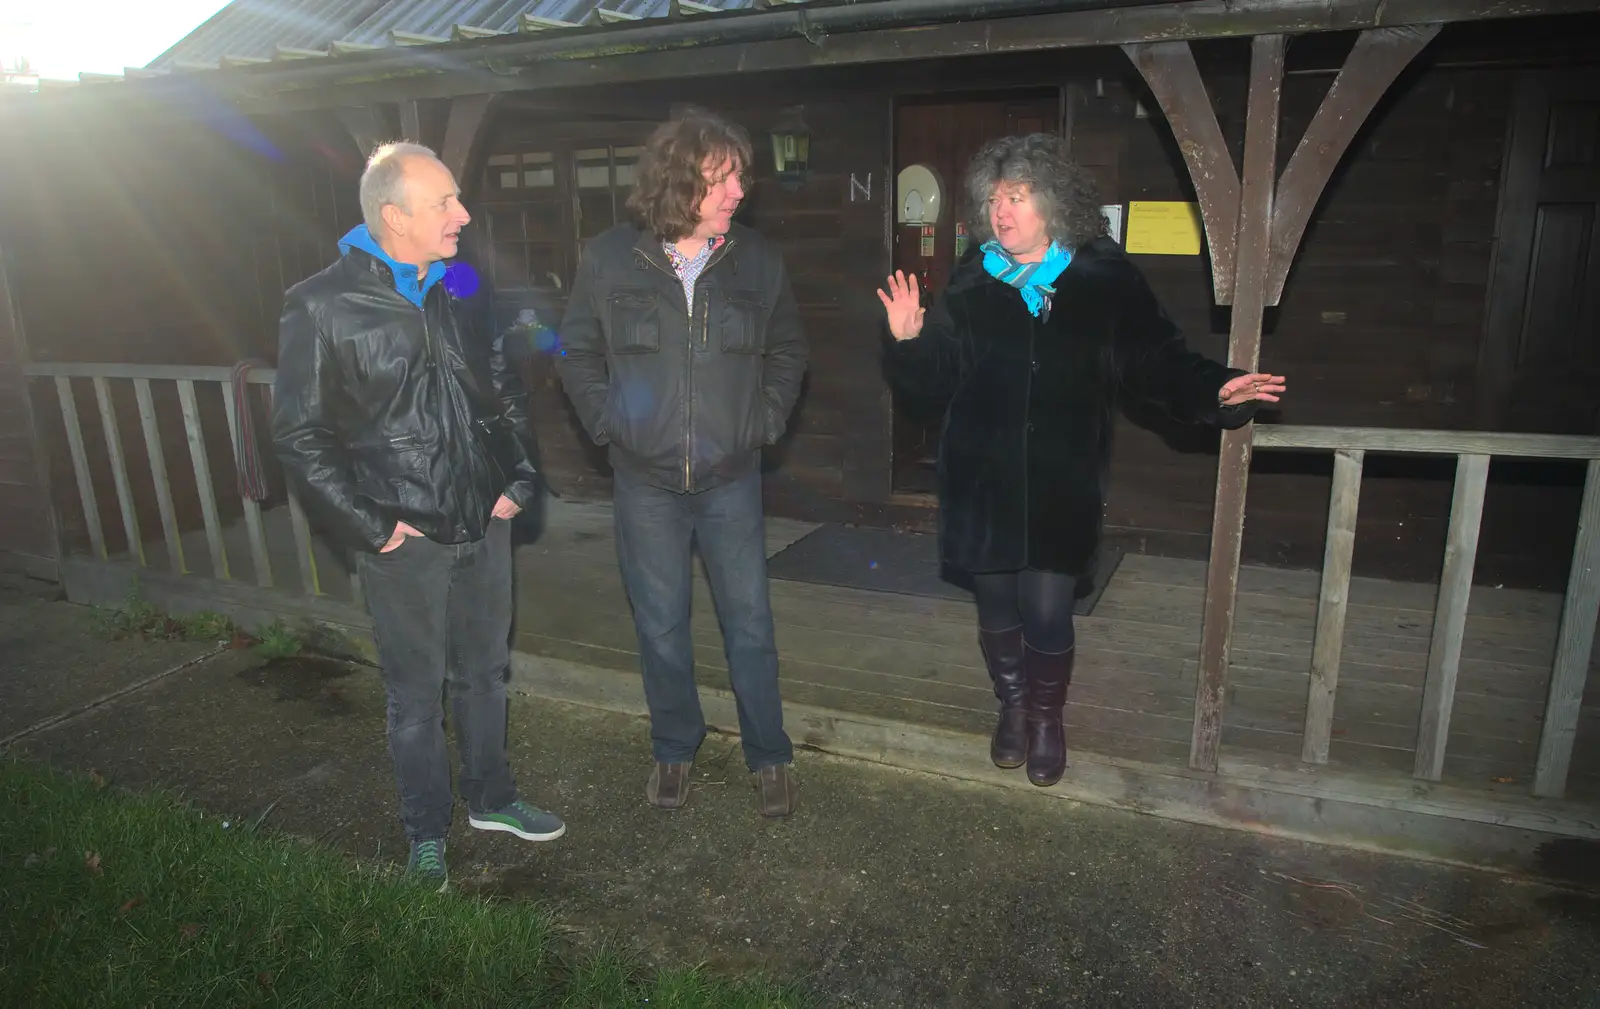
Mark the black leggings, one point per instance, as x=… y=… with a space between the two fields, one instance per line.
x=1040 y=601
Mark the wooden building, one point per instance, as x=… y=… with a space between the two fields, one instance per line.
x=1430 y=262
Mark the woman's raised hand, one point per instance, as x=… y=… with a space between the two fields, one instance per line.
x=903 y=302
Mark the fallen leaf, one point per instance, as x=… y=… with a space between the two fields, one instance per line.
x=130 y=905
x=1504 y=781
x=91 y=861
x=190 y=930
x=264 y=979
x=31 y=861
x=96 y=779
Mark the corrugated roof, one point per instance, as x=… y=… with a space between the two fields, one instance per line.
x=253 y=30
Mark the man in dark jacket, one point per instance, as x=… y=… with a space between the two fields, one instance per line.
x=682 y=349
x=407 y=441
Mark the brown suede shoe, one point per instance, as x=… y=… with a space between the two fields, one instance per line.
x=668 y=787
x=775 y=792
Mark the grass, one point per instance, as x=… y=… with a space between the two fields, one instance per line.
x=115 y=899
x=277 y=641
x=139 y=618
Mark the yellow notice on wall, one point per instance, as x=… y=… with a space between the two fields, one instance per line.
x=1163 y=229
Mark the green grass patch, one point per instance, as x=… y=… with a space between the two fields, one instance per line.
x=119 y=899
x=137 y=617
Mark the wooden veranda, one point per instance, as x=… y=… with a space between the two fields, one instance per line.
x=1246 y=696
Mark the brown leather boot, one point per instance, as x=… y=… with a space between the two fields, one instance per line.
x=1048 y=678
x=1002 y=652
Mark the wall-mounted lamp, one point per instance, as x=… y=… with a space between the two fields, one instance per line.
x=791 y=147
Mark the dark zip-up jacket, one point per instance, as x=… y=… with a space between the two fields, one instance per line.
x=376 y=411
x=685 y=395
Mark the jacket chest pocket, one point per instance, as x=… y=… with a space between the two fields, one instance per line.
x=633 y=321
x=741 y=321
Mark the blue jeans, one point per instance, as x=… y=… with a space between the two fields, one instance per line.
x=442 y=613
x=655 y=530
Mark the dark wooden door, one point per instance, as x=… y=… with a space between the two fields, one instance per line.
x=944 y=132
x=1541 y=362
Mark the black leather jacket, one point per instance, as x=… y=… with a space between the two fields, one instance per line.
x=384 y=412
x=686 y=396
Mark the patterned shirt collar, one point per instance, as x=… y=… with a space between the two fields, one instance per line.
x=689 y=268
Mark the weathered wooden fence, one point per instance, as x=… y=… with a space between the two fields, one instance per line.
x=1473 y=451
x=1348 y=445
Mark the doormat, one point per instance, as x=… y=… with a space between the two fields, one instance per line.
x=888 y=560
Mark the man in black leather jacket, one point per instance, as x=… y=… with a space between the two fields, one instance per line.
x=682 y=349
x=407 y=441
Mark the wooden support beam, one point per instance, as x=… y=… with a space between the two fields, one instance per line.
x=1332 y=602
x=12 y=333
x=1244 y=351
x=80 y=466
x=463 y=133
x=1170 y=71
x=411 y=121
x=366 y=126
x=1373 y=64
x=629 y=54
x=1574 y=645
x=1450 y=615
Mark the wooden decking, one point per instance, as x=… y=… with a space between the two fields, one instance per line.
x=916 y=660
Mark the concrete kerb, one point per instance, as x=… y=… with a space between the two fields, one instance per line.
x=1432 y=831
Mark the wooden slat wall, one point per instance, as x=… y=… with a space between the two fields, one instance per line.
x=178 y=253
x=1379 y=325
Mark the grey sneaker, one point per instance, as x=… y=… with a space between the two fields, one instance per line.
x=426 y=863
x=521 y=819
x=775 y=791
x=668 y=787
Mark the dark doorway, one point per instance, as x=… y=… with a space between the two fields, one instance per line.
x=1541 y=352
x=944 y=132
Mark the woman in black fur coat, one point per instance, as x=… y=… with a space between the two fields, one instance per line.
x=1035 y=342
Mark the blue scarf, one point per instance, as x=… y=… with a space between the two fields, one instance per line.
x=1034 y=280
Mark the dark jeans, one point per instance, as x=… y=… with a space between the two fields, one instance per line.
x=655 y=529
x=1040 y=602
x=442 y=613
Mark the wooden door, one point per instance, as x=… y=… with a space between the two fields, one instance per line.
x=1541 y=360
x=944 y=132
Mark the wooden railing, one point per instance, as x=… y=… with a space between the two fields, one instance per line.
x=1472 y=450
x=185 y=379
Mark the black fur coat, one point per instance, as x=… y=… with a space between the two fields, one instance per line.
x=1032 y=404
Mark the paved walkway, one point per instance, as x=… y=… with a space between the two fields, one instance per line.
x=888 y=888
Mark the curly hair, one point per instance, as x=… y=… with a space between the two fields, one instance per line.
x=670 y=182
x=1063 y=192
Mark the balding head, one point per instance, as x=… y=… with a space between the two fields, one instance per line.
x=411 y=204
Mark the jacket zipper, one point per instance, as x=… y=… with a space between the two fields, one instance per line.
x=688 y=364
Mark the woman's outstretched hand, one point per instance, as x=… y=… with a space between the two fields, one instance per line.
x=1245 y=388
x=904 y=305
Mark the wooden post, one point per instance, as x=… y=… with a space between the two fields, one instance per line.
x=80 y=466
x=1170 y=71
x=411 y=121
x=1450 y=615
x=202 y=478
x=462 y=133
x=1573 y=648
x=11 y=325
x=259 y=555
x=1244 y=350
x=119 y=468
x=158 y=475
x=1332 y=602
x=366 y=126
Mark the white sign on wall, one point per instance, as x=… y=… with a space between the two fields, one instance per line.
x=1113 y=216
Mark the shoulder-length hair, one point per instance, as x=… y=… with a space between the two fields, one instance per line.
x=670 y=182
x=1063 y=192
